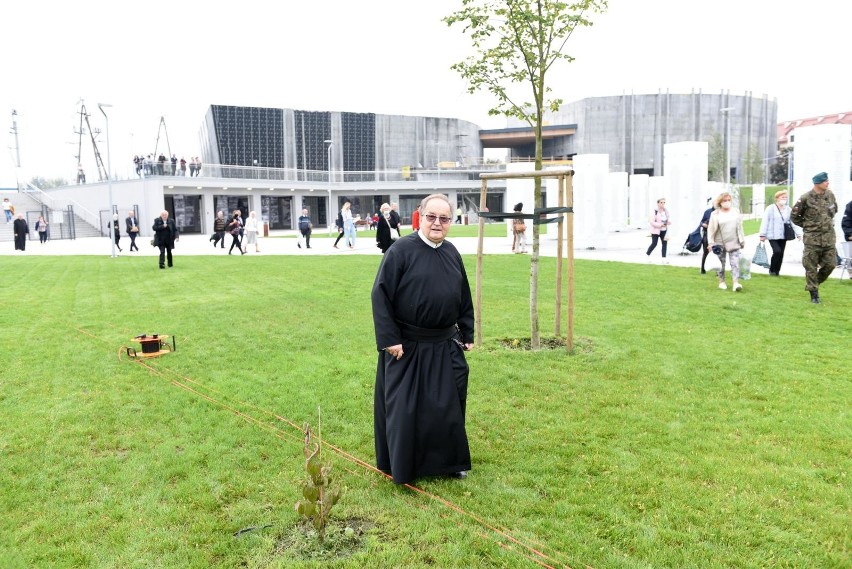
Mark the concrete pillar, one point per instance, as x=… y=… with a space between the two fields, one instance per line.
x=823 y=148
x=685 y=166
x=590 y=207
x=638 y=193
x=616 y=196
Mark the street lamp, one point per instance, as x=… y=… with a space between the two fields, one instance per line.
x=727 y=112
x=109 y=180
x=330 y=213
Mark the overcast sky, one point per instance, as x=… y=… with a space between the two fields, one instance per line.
x=174 y=59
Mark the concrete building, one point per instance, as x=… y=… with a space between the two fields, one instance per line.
x=633 y=129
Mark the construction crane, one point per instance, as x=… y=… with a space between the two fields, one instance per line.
x=162 y=129
x=92 y=132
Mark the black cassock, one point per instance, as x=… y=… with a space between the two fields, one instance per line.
x=421 y=294
x=21 y=229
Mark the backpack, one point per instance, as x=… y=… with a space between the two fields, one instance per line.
x=693 y=240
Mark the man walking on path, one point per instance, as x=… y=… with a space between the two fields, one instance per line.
x=814 y=213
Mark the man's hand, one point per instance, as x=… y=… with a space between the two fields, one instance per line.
x=395 y=351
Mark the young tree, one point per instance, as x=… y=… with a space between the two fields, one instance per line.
x=46 y=183
x=778 y=172
x=753 y=165
x=516 y=43
x=716 y=158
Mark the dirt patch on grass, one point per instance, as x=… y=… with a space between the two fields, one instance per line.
x=581 y=344
x=343 y=538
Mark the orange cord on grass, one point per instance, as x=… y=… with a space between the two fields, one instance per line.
x=528 y=551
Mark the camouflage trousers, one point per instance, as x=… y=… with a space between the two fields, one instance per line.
x=819 y=263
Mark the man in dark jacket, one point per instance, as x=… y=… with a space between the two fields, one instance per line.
x=304 y=229
x=814 y=213
x=165 y=235
x=846 y=222
x=846 y=225
x=218 y=229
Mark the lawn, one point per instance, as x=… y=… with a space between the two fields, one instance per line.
x=492 y=229
x=693 y=427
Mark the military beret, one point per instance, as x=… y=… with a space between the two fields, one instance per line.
x=820 y=178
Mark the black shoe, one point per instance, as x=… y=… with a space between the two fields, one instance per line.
x=162 y=266
x=299 y=245
x=815 y=297
x=771 y=274
x=461 y=475
x=703 y=272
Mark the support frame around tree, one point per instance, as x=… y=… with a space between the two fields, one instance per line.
x=565 y=219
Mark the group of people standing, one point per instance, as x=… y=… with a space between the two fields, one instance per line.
x=162 y=166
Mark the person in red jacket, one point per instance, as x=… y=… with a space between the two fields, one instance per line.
x=415 y=220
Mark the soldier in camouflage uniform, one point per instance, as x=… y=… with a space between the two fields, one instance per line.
x=814 y=213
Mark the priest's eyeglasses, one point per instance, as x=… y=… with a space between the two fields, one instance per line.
x=432 y=218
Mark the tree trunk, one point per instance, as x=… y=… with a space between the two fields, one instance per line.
x=535 y=337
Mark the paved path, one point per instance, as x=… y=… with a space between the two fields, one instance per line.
x=626 y=247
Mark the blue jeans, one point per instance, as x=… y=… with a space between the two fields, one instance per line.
x=349 y=230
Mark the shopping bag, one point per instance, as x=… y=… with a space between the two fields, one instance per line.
x=760 y=257
x=745 y=268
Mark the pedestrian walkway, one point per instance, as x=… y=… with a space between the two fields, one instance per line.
x=624 y=246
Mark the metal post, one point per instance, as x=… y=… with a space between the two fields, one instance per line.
x=330 y=211
x=109 y=181
x=727 y=112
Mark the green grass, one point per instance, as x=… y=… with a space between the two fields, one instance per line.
x=692 y=428
x=491 y=230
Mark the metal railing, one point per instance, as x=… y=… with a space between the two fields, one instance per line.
x=263 y=174
x=57 y=205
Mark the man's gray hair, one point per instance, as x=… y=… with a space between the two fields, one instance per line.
x=431 y=197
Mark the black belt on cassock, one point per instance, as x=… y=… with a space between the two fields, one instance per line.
x=418 y=334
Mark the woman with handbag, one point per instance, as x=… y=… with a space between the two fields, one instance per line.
x=726 y=238
x=234 y=228
x=519 y=231
x=778 y=229
x=386 y=233
x=660 y=221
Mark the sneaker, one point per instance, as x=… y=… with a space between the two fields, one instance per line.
x=723 y=286
x=738 y=287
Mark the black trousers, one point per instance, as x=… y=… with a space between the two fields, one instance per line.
x=654 y=239
x=42 y=236
x=165 y=253
x=704 y=250
x=339 y=236
x=133 y=241
x=235 y=242
x=778 y=246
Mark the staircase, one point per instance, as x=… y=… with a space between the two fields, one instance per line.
x=28 y=204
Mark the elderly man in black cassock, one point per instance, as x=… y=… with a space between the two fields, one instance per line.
x=21 y=230
x=423 y=316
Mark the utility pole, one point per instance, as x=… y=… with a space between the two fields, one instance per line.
x=103 y=173
x=17 y=149
x=15 y=132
